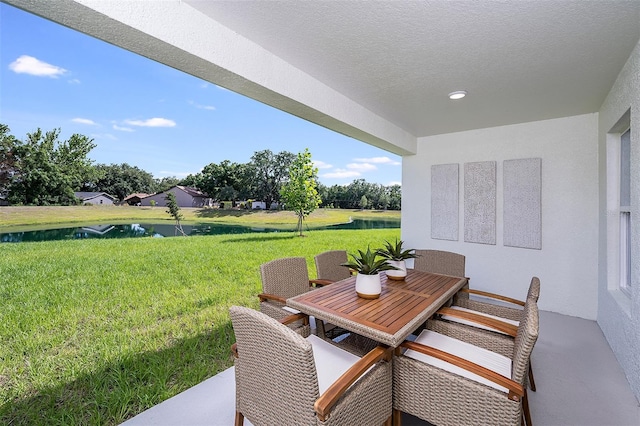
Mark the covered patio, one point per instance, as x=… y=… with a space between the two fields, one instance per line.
x=578 y=379
x=527 y=175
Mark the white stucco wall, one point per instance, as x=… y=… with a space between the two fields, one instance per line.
x=182 y=198
x=100 y=199
x=619 y=314
x=567 y=262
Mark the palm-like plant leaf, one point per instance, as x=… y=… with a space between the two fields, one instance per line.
x=395 y=251
x=367 y=263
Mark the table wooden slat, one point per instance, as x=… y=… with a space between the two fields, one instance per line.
x=388 y=319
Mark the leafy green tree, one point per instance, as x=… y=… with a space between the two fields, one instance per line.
x=165 y=183
x=8 y=160
x=269 y=174
x=174 y=211
x=121 y=180
x=300 y=192
x=384 y=200
x=225 y=181
x=395 y=197
x=48 y=171
x=364 y=202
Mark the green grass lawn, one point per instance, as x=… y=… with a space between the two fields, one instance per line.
x=97 y=331
x=16 y=218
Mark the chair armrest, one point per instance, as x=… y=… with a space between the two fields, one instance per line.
x=321 y=283
x=295 y=317
x=264 y=297
x=493 y=296
x=516 y=390
x=502 y=326
x=329 y=398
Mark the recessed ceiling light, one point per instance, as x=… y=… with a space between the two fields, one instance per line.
x=458 y=94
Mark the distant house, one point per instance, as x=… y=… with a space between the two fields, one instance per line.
x=261 y=205
x=185 y=197
x=135 y=199
x=95 y=197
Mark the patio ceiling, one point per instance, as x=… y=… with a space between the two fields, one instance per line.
x=519 y=61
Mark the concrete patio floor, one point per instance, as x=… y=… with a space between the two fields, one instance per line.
x=579 y=382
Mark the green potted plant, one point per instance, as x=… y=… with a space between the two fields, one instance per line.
x=396 y=256
x=368 y=265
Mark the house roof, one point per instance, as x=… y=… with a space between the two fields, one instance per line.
x=137 y=194
x=84 y=196
x=192 y=191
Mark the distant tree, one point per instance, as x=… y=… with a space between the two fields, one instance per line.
x=165 y=183
x=121 y=180
x=364 y=202
x=395 y=197
x=192 y=180
x=48 y=171
x=225 y=181
x=269 y=173
x=174 y=211
x=384 y=200
x=8 y=160
x=300 y=192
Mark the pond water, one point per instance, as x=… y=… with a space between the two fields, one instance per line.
x=168 y=230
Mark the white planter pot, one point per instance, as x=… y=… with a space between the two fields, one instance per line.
x=368 y=286
x=397 y=274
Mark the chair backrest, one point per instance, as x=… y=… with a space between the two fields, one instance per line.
x=440 y=262
x=534 y=289
x=329 y=265
x=286 y=277
x=525 y=340
x=276 y=378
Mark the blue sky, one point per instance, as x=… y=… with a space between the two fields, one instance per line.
x=149 y=115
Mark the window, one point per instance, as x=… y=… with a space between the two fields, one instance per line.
x=625 y=211
x=620 y=254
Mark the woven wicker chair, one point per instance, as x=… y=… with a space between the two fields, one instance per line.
x=329 y=265
x=440 y=262
x=433 y=382
x=281 y=279
x=285 y=379
x=499 y=310
x=463 y=309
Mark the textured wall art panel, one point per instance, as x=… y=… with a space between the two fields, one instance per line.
x=444 y=202
x=522 y=181
x=480 y=202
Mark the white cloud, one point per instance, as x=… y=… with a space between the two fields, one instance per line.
x=122 y=129
x=341 y=174
x=321 y=164
x=104 y=136
x=378 y=160
x=152 y=122
x=84 y=121
x=207 y=107
x=74 y=81
x=29 y=65
x=362 y=167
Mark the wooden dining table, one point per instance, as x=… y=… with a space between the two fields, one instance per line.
x=401 y=308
